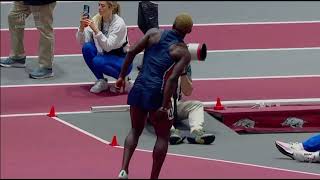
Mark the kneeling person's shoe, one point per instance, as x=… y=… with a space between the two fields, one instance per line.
x=199 y=137
x=41 y=73
x=175 y=137
x=13 y=62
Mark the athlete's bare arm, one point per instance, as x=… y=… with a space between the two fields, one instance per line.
x=152 y=36
x=186 y=85
x=180 y=54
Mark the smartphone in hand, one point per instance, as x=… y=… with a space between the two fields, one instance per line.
x=86 y=10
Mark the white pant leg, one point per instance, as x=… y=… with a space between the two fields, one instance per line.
x=193 y=110
x=172 y=128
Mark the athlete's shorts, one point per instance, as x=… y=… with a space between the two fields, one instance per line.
x=147 y=99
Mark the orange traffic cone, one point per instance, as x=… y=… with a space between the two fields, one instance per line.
x=52 y=112
x=218 y=105
x=114 y=141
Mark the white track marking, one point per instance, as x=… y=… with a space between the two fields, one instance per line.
x=11 y=2
x=42 y=114
x=6 y=2
x=51 y=84
x=209 y=51
x=265 y=49
x=255 y=77
x=59 y=56
x=254 y=104
x=200 y=24
x=195 y=79
x=181 y=155
x=119 y=108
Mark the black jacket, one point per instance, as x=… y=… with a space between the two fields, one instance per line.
x=37 y=2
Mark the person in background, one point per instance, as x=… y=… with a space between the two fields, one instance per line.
x=42 y=12
x=306 y=151
x=104 y=44
x=191 y=110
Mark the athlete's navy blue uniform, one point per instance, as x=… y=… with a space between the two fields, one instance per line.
x=147 y=91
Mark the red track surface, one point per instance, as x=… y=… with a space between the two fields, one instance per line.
x=41 y=147
x=78 y=98
x=221 y=37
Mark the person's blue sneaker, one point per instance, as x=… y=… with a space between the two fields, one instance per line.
x=41 y=73
x=13 y=62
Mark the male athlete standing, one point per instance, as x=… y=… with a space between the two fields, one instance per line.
x=165 y=57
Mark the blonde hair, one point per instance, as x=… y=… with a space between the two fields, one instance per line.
x=97 y=19
x=115 y=7
x=183 y=22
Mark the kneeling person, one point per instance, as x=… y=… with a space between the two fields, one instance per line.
x=191 y=110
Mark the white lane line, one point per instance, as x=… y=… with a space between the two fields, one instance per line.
x=209 y=51
x=255 y=77
x=195 y=79
x=253 y=104
x=266 y=49
x=53 y=84
x=56 y=55
x=42 y=114
x=11 y=2
x=119 y=108
x=6 y=2
x=202 y=24
x=180 y=155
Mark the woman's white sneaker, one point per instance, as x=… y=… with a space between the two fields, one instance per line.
x=99 y=86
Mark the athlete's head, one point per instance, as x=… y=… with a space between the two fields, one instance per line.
x=183 y=23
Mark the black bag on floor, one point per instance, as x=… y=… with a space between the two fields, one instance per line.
x=147 y=16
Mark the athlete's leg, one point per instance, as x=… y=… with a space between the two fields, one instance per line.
x=162 y=129
x=138 y=119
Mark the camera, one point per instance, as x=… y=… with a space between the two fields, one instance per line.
x=197 y=51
